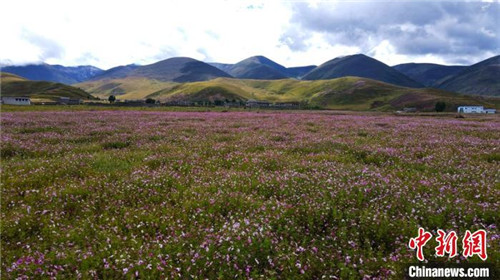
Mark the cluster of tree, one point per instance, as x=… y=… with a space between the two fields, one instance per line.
x=440 y=106
x=112 y=99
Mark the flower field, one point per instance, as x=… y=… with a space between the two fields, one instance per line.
x=223 y=195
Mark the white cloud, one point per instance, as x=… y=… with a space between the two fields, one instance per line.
x=122 y=32
x=110 y=33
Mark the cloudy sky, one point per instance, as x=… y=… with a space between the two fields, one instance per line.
x=293 y=33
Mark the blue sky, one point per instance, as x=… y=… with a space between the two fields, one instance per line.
x=293 y=33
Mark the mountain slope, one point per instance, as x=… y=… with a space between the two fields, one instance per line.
x=115 y=72
x=54 y=73
x=291 y=72
x=12 y=85
x=360 y=66
x=428 y=74
x=482 y=78
x=124 y=88
x=299 y=72
x=258 y=67
x=221 y=66
x=178 y=69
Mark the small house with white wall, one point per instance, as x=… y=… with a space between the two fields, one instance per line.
x=16 y=100
x=475 y=110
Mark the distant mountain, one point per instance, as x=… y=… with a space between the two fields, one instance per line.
x=12 y=85
x=428 y=74
x=262 y=68
x=360 y=65
x=177 y=69
x=54 y=73
x=258 y=67
x=298 y=72
x=482 y=78
x=116 y=72
x=222 y=66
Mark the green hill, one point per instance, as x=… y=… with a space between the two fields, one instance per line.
x=482 y=78
x=350 y=93
x=124 y=88
x=12 y=85
x=360 y=65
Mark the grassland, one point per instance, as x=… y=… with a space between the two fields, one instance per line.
x=218 y=195
x=349 y=93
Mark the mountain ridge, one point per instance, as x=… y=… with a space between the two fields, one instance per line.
x=428 y=74
x=482 y=78
x=54 y=73
x=360 y=65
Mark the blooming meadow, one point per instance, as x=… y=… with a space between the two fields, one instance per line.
x=220 y=195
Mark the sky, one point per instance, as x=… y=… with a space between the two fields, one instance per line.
x=293 y=33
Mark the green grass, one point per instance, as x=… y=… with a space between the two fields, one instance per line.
x=221 y=195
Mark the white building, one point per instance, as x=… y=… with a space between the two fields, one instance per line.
x=475 y=109
x=16 y=100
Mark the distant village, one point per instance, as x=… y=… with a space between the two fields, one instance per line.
x=251 y=103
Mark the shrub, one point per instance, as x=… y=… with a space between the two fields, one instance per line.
x=440 y=106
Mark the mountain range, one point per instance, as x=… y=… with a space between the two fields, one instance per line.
x=481 y=78
x=54 y=73
x=258 y=77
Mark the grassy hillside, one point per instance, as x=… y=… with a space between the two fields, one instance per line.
x=351 y=93
x=12 y=85
x=129 y=88
x=8 y=77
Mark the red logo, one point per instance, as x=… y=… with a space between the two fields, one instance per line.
x=447 y=244
x=473 y=244
x=419 y=242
